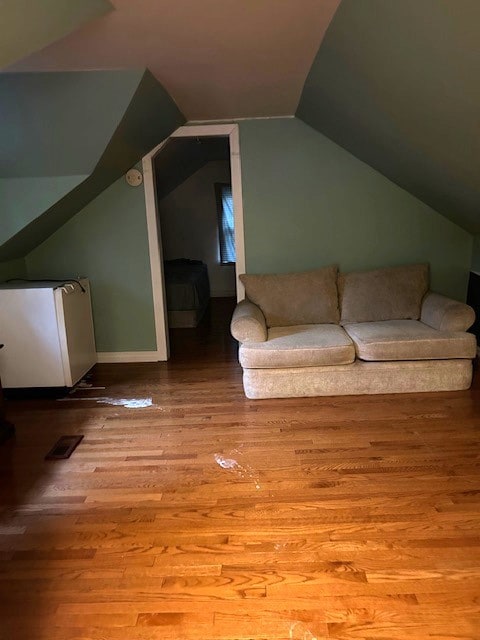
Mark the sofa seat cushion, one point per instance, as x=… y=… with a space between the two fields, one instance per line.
x=408 y=340
x=308 y=345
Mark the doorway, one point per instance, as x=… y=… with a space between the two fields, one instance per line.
x=191 y=135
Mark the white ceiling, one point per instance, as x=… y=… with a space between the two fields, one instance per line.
x=217 y=58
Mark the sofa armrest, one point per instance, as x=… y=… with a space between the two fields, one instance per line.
x=248 y=323
x=446 y=314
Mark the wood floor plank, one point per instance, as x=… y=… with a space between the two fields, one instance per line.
x=208 y=516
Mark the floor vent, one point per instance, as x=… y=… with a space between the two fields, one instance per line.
x=64 y=447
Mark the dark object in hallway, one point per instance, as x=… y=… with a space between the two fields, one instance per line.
x=473 y=299
x=7 y=430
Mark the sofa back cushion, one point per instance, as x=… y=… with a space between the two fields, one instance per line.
x=393 y=293
x=288 y=299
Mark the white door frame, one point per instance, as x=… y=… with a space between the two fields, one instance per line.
x=154 y=230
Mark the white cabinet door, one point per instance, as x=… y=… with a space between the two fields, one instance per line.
x=48 y=335
x=31 y=356
x=75 y=327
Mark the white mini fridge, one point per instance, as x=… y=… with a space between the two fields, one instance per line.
x=47 y=332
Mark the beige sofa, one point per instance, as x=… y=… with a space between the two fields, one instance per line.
x=322 y=333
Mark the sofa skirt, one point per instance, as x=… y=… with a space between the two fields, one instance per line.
x=358 y=378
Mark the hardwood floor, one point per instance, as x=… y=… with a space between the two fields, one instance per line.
x=210 y=516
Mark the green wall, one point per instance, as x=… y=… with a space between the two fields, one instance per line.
x=23 y=199
x=56 y=126
x=395 y=82
x=13 y=269
x=59 y=123
x=308 y=202
x=107 y=241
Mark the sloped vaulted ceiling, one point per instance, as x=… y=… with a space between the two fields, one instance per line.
x=397 y=83
x=216 y=58
x=67 y=137
x=60 y=123
x=28 y=25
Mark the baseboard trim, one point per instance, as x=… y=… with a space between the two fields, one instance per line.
x=104 y=357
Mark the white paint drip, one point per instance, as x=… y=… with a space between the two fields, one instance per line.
x=243 y=470
x=226 y=463
x=129 y=403
x=296 y=630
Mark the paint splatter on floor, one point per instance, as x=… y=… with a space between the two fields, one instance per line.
x=226 y=463
x=298 y=631
x=130 y=403
x=242 y=469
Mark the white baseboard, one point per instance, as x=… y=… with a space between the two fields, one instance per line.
x=127 y=356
